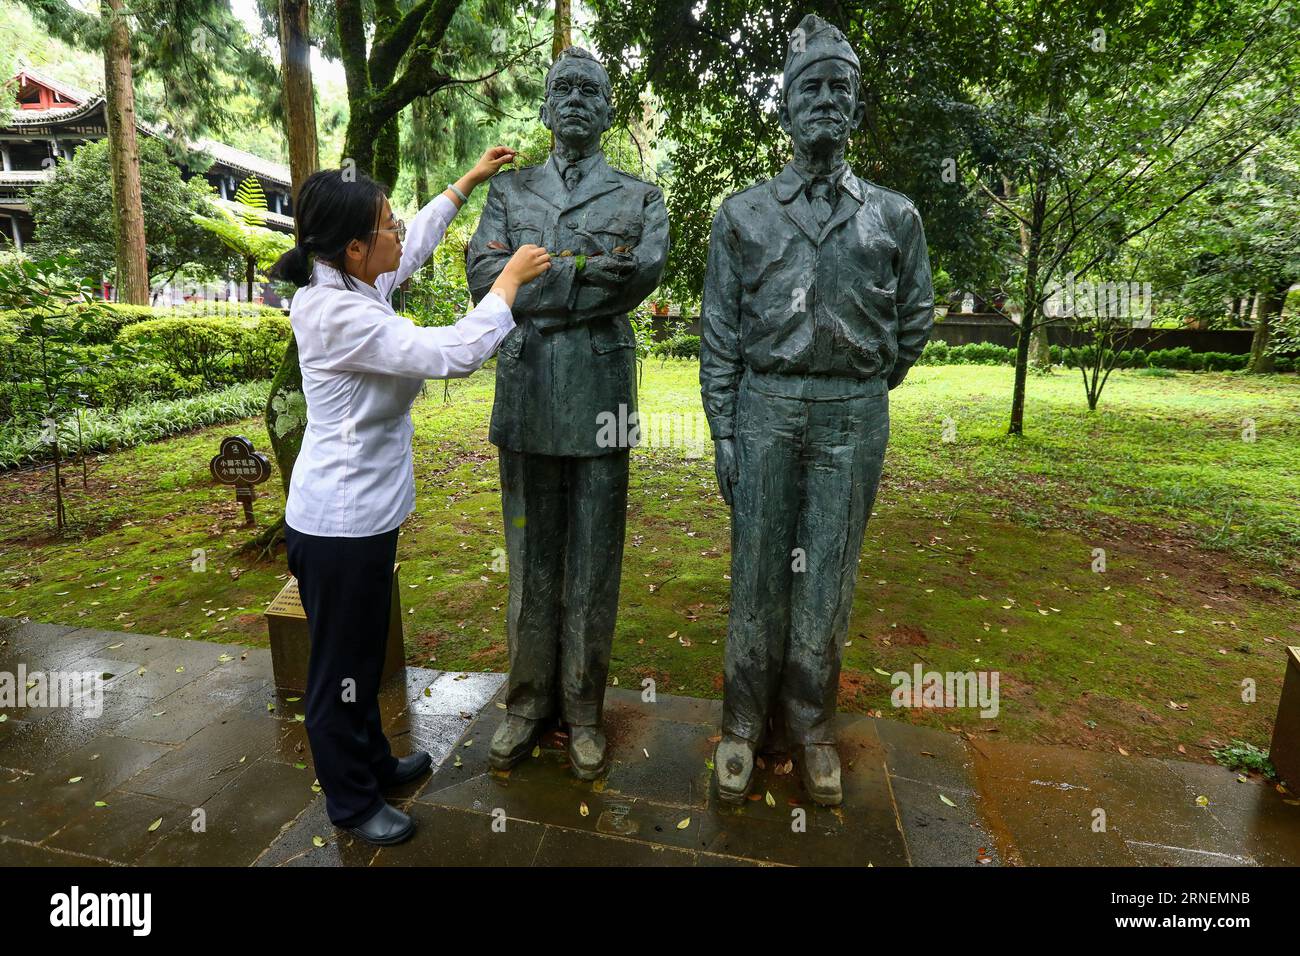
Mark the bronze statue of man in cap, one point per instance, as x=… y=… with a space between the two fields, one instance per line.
x=817 y=300
x=565 y=416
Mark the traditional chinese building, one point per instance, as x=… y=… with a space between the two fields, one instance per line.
x=52 y=119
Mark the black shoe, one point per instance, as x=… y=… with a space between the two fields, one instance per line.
x=385 y=828
x=411 y=767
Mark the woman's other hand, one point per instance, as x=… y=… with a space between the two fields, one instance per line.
x=524 y=266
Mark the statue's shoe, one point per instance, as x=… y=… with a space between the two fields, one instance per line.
x=820 y=768
x=513 y=741
x=733 y=762
x=587 y=752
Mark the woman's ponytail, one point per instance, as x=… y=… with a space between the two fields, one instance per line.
x=331 y=209
x=294 y=266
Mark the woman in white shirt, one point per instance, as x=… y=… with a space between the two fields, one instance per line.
x=353 y=482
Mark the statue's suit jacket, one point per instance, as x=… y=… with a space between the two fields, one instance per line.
x=852 y=299
x=573 y=355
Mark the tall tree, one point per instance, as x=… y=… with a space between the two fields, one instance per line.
x=186 y=44
x=406 y=51
x=299 y=94
x=124 y=157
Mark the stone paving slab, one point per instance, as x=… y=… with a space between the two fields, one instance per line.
x=195 y=731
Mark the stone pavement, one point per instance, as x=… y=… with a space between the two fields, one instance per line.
x=186 y=727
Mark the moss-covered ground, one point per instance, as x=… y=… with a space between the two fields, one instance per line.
x=980 y=556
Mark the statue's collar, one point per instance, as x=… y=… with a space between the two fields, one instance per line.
x=585 y=163
x=790 y=182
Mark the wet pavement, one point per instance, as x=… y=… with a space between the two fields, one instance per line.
x=195 y=759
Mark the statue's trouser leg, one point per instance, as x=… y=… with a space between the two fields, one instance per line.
x=844 y=453
x=597 y=507
x=534 y=511
x=769 y=435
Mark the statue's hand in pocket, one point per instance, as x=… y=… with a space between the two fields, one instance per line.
x=724 y=466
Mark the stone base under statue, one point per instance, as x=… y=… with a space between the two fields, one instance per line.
x=658 y=804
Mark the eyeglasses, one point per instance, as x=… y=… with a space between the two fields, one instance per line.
x=400 y=229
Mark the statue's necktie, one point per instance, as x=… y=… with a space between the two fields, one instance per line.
x=821 y=196
x=572 y=175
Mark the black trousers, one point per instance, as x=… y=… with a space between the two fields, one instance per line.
x=346 y=586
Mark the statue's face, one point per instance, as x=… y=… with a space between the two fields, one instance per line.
x=822 y=107
x=575 y=108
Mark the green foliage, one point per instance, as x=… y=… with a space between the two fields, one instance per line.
x=1183 y=358
x=74 y=215
x=104 y=320
x=714 y=70
x=1240 y=755
x=250 y=194
x=678 y=346
x=213 y=350
x=140 y=423
x=263 y=246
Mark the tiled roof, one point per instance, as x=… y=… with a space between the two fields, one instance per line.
x=89 y=102
x=24 y=177
x=66 y=90
x=21 y=117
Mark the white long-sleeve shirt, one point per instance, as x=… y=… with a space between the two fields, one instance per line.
x=362 y=367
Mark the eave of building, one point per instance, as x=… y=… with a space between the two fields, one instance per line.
x=29 y=177
x=50 y=122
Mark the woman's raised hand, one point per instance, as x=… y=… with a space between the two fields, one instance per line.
x=493 y=158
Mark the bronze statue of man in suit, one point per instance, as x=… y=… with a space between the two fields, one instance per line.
x=817 y=300
x=563 y=377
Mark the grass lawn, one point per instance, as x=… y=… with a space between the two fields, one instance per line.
x=980 y=556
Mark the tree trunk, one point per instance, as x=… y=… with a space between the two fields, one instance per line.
x=1029 y=316
x=563 y=37
x=386 y=162
x=420 y=134
x=124 y=159
x=1271 y=301
x=299 y=94
x=1040 y=348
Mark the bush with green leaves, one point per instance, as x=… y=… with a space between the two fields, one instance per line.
x=212 y=349
x=678 y=346
x=1181 y=358
x=139 y=423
